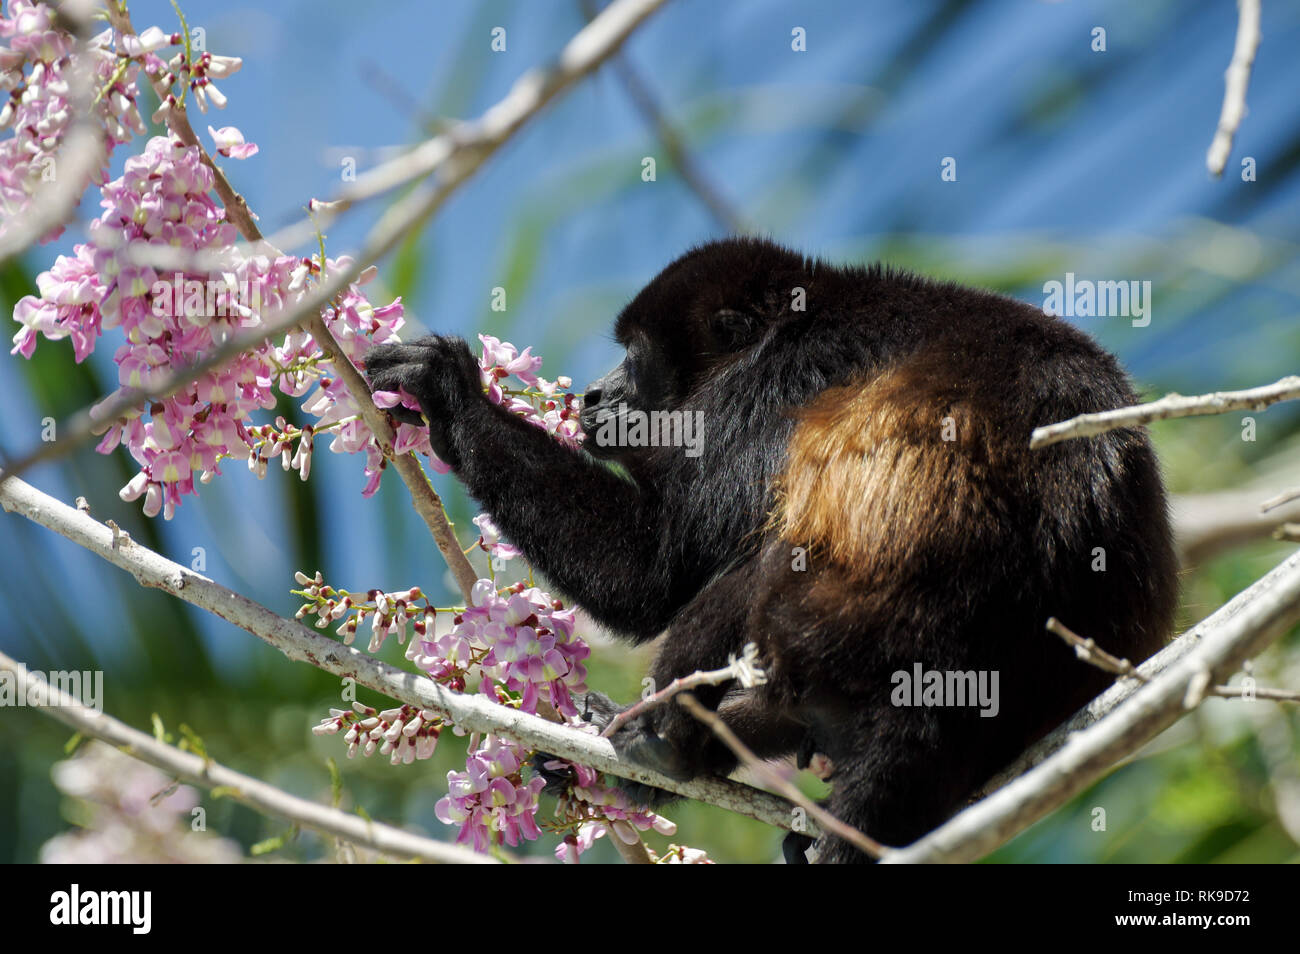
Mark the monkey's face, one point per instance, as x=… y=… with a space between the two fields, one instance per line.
x=699 y=313
x=642 y=383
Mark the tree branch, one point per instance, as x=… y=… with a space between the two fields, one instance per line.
x=253 y=792
x=1170 y=406
x=643 y=98
x=1236 y=79
x=1207 y=524
x=1091 y=653
x=744 y=669
x=79 y=156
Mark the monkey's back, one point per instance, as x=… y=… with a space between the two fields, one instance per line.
x=933 y=535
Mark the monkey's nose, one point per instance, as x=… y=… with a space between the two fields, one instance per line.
x=591 y=398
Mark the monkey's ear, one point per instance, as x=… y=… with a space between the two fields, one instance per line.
x=733 y=329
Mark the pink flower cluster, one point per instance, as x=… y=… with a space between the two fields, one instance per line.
x=540 y=402
x=405 y=734
x=44 y=76
x=682 y=855
x=128 y=812
x=389 y=613
x=531 y=647
x=490 y=800
x=596 y=808
x=171 y=320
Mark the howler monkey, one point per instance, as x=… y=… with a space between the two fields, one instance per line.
x=863 y=506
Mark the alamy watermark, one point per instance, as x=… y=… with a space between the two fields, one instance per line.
x=1084 y=298
x=629 y=427
x=948 y=688
x=132 y=909
x=85 y=687
x=210 y=298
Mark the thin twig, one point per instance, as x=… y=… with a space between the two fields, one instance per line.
x=1285 y=497
x=1236 y=79
x=470 y=711
x=1170 y=406
x=1289 y=532
x=827 y=821
x=253 y=792
x=643 y=98
x=1090 y=652
x=744 y=669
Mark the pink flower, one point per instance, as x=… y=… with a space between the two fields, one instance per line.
x=490 y=800
x=230 y=142
x=490 y=539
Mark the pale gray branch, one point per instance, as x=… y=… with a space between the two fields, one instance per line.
x=1170 y=406
x=744 y=669
x=1207 y=524
x=250 y=791
x=1088 y=650
x=81 y=153
x=1235 y=80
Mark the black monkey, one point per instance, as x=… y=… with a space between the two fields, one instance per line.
x=863 y=501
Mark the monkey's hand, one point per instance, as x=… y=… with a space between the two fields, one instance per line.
x=440 y=372
x=637 y=741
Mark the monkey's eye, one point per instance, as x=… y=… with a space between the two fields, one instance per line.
x=732 y=329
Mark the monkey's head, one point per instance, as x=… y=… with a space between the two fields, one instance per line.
x=701 y=312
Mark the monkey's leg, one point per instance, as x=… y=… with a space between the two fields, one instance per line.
x=899 y=773
x=702 y=637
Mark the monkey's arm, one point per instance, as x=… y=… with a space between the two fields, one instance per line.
x=593 y=534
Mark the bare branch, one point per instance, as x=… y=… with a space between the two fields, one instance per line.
x=1236 y=80
x=744 y=669
x=425 y=500
x=643 y=98
x=1207 y=524
x=1278 y=500
x=250 y=791
x=1090 y=652
x=773 y=778
x=1214 y=648
x=1170 y=406
x=1121 y=691
x=474 y=713
x=471 y=142
x=1289 y=532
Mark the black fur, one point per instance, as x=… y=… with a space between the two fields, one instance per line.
x=685 y=545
